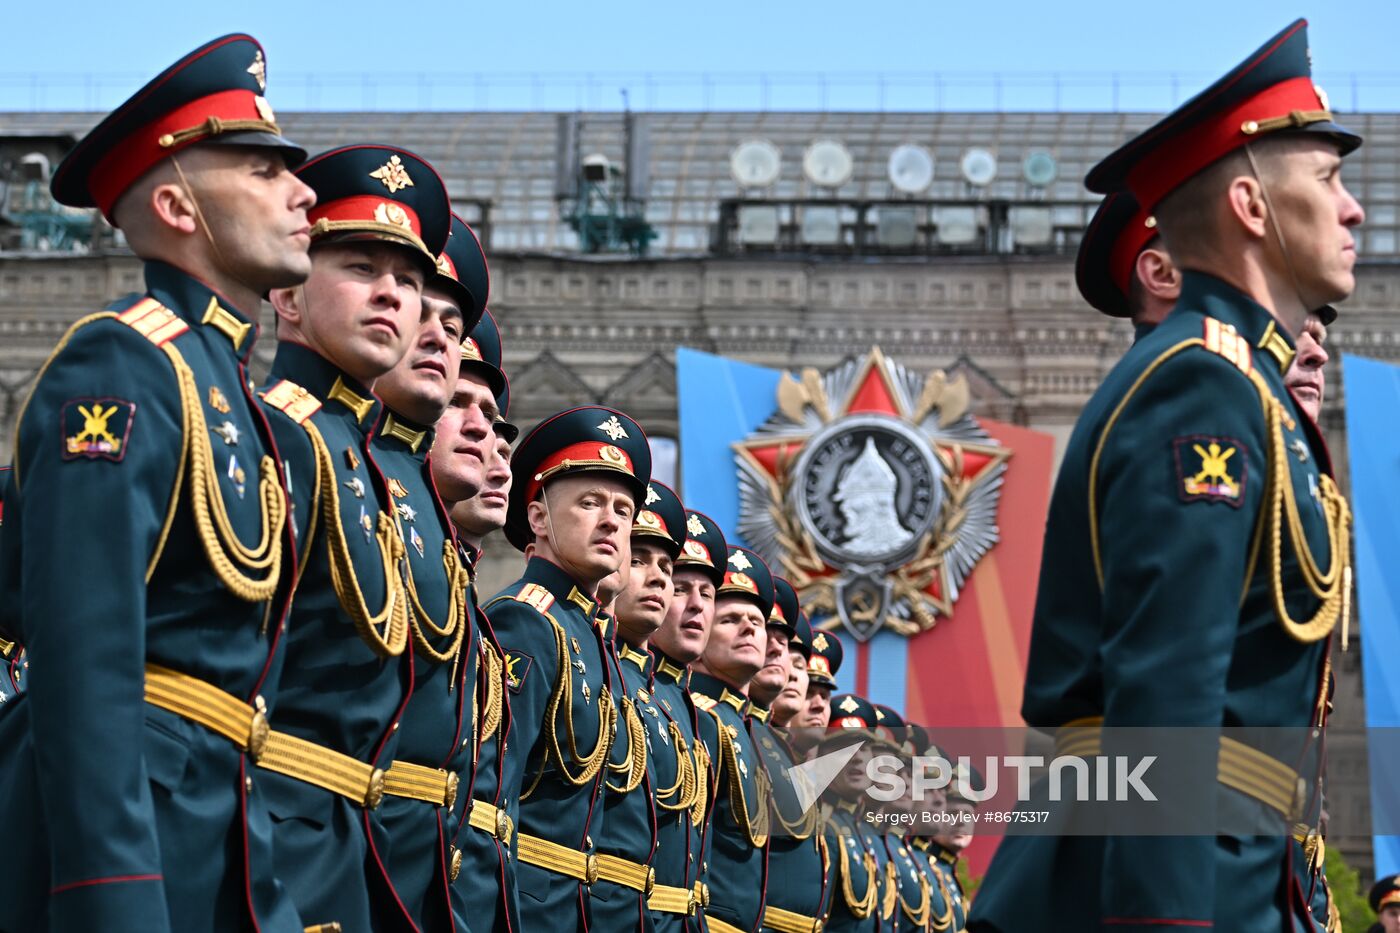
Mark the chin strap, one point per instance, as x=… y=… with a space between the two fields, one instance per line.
x=199 y=214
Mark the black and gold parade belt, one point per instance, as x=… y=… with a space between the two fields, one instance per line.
x=491 y=819
x=246 y=726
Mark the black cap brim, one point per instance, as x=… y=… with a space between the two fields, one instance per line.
x=293 y=154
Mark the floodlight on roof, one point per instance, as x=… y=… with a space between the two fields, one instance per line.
x=827 y=163
x=957 y=226
x=821 y=226
x=979 y=167
x=1040 y=168
x=896 y=227
x=1031 y=226
x=755 y=164
x=758 y=225
x=911 y=168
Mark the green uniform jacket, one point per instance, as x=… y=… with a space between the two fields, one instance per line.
x=681 y=836
x=1157 y=607
x=484 y=891
x=629 y=815
x=339 y=689
x=797 y=869
x=738 y=853
x=942 y=894
x=125 y=816
x=562 y=722
x=860 y=889
x=436 y=731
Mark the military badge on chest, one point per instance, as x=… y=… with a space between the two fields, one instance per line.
x=874 y=490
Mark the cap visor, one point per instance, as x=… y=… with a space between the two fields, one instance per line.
x=291 y=152
x=494 y=380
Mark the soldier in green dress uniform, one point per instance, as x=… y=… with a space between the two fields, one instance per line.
x=864 y=896
x=477 y=496
x=380 y=221
x=655 y=784
x=681 y=891
x=738 y=854
x=1197 y=546
x=145 y=555
x=435 y=737
x=579 y=478
x=796 y=854
x=807 y=728
x=913 y=888
x=1122 y=268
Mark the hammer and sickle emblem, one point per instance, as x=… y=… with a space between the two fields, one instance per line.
x=95 y=425
x=863 y=607
x=1213 y=465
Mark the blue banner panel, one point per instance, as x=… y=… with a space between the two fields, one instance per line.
x=721 y=401
x=1372 y=399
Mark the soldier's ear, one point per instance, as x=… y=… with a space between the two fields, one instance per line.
x=1248 y=207
x=289 y=303
x=174 y=207
x=1158 y=274
x=537 y=515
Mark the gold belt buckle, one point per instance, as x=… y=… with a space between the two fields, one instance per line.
x=651 y=881
x=375 y=792
x=502 y=825
x=258 y=730
x=590 y=868
x=450 y=798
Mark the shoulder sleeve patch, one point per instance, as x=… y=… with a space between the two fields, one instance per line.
x=1210 y=469
x=1223 y=340
x=518 y=665
x=292 y=400
x=97 y=428
x=532 y=594
x=154 y=321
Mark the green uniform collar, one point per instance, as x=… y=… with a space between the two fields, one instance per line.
x=717 y=689
x=1251 y=320
x=560 y=585
x=945 y=855
x=336 y=391
x=669 y=670
x=199 y=305
x=403 y=432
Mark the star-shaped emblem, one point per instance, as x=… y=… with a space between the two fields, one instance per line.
x=849 y=705
x=393 y=174
x=229 y=432
x=613 y=428
x=1300 y=449
x=695 y=526
x=739 y=561
x=258 y=69
x=356 y=487
x=407 y=512
x=651 y=495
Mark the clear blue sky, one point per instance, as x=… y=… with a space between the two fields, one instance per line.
x=389 y=54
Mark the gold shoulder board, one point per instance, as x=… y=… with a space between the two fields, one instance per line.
x=292 y=400
x=154 y=321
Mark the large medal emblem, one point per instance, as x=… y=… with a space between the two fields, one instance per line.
x=875 y=491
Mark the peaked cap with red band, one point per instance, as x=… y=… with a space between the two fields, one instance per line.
x=825 y=660
x=786 y=608
x=661 y=517
x=705 y=548
x=1270 y=92
x=374 y=192
x=852 y=715
x=582 y=440
x=462 y=274
x=1385 y=892
x=747 y=575
x=801 y=638
x=482 y=353
x=212 y=95
x=1107 y=260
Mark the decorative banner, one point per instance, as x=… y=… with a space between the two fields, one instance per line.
x=1373 y=447
x=874 y=491
x=938 y=591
